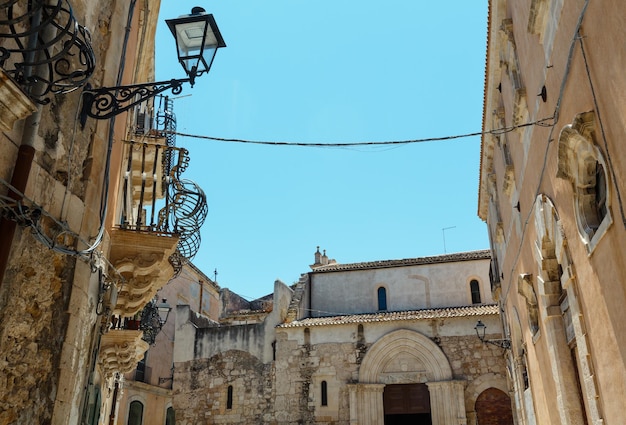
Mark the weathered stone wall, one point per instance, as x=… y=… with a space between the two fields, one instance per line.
x=35 y=296
x=48 y=300
x=470 y=358
x=201 y=390
x=288 y=390
x=300 y=369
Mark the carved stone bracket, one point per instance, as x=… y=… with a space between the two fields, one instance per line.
x=14 y=104
x=120 y=350
x=141 y=258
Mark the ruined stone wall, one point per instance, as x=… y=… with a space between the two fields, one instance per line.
x=288 y=390
x=201 y=390
x=300 y=370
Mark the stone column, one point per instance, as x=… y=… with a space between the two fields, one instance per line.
x=366 y=404
x=447 y=404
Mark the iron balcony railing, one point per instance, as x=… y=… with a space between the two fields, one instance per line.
x=43 y=48
x=156 y=199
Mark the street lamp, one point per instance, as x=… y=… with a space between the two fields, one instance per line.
x=153 y=317
x=164 y=311
x=197 y=40
x=481 y=329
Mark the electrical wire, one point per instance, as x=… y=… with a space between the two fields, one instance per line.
x=542 y=122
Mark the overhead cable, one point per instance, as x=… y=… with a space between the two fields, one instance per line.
x=542 y=122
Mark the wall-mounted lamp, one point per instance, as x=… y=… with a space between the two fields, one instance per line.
x=481 y=328
x=153 y=317
x=197 y=40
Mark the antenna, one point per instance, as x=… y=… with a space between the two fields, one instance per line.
x=443 y=232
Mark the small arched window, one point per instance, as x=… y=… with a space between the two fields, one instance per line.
x=475 y=290
x=170 y=416
x=229 y=397
x=324 y=393
x=307 y=336
x=135 y=413
x=382 y=299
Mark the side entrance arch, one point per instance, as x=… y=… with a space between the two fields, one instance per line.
x=399 y=358
x=493 y=407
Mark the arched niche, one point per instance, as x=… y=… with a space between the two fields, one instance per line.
x=404 y=356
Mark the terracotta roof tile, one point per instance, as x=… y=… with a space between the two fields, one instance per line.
x=391 y=316
x=447 y=258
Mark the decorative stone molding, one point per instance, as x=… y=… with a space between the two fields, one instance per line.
x=563 y=322
x=447 y=404
x=120 y=350
x=141 y=258
x=412 y=348
x=480 y=384
x=508 y=185
x=537 y=16
x=582 y=164
x=14 y=104
x=520 y=107
x=500 y=232
x=366 y=404
x=526 y=290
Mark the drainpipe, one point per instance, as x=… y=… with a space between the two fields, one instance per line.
x=114 y=403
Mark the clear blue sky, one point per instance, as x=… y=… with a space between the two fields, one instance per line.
x=333 y=71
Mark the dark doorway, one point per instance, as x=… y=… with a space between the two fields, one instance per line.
x=407 y=404
x=493 y=407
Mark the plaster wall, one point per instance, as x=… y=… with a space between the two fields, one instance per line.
x=590 y=80
x=407 y=288
x=194 y=341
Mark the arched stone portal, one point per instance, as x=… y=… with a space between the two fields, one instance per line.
x=406 y=357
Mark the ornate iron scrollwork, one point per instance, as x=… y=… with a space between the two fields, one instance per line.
x=43 y=48
x=106 y=102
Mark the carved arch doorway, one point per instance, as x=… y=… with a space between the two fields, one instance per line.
x=406 y=357
x=406 y=404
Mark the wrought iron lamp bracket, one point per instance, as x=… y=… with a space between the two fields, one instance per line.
x=502 y=343
x=107 y=102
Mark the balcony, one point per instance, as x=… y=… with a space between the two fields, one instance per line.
x=157 y=226
x=120 y=350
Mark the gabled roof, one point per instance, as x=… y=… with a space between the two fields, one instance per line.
x=393 y=316
x=446 y=258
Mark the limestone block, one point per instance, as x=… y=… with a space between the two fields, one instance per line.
x=14 y=104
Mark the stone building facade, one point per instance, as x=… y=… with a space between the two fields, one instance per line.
x=147 y=390
x=84 y=245
x=362 y=356
x=552 y=177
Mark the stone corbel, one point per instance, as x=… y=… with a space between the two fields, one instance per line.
x=520 y=107
x=525 y=289
x=14 y=104
x=120 y=350
x=142 y=259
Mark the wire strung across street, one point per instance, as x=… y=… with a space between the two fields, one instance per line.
x=542 y=122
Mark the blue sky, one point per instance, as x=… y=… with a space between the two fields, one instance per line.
x=333 y=71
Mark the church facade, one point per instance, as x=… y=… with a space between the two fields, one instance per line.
x=385 y=342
